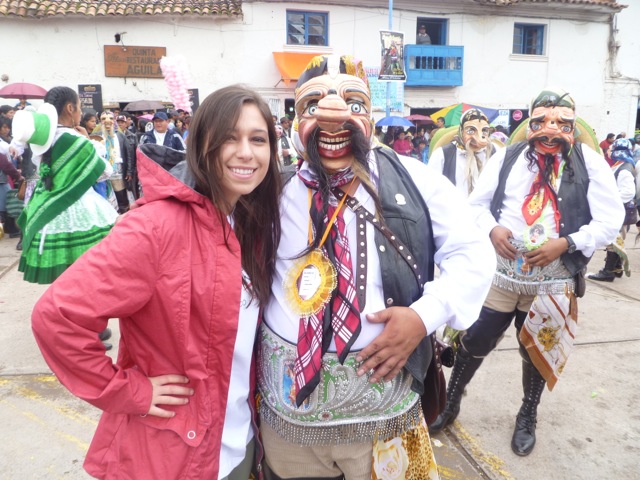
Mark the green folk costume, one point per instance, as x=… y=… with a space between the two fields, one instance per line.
x=62 y=223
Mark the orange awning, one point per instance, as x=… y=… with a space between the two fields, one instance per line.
x=292 y=64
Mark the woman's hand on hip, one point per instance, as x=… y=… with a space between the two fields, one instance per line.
x=168 y=391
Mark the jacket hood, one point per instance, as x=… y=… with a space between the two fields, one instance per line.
x=164 y=174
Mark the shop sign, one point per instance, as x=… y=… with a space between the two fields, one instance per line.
x=90 y=97
x=131 y=61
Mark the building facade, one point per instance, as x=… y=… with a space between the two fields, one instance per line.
x=494 y=53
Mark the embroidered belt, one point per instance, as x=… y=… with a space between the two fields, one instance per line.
x=117 y=172
x=344 y=408
x=520 y=277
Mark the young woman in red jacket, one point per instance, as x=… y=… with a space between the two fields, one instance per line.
x=186 y=274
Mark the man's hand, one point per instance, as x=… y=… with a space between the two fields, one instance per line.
x=500 y=238
x=389 y=351
x=165 y=392
x=547 y=253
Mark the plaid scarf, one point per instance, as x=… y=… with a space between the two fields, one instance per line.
x=342 y=320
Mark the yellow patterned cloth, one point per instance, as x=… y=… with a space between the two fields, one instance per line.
x=617 y=247
x=548 y=333
x=407 y=457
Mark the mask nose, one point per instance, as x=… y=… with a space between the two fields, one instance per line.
x=332 y=112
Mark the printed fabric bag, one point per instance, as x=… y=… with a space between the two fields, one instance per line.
x=15 y=205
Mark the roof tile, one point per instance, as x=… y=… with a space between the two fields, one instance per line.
x=103 y=8
x=607 y=3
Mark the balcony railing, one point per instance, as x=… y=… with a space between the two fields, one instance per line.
x=433 y=65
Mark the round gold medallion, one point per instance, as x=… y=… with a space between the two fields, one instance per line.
x=309 y=283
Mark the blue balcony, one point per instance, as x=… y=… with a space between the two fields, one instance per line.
x=433 y=65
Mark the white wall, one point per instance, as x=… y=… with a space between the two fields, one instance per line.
x=220 y=51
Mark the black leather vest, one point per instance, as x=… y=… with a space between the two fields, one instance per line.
x=450 y=159
x=407 y=216
x=572 y=198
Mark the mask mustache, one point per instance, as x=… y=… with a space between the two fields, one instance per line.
x=360 y=146
x=546 y=139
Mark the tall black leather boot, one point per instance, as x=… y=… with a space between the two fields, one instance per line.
x=619 y=269
x=607 y=274
x=524 y=435
x=123 y=201
x=464 y=368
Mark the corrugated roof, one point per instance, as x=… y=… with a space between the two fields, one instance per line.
x=607 y=3
x=102 y=8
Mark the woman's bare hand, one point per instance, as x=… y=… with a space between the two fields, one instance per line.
x=168 y=390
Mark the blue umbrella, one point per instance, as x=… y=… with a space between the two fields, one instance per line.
x=393 y=121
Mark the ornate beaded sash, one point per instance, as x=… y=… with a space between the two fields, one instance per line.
x=520 y=277
x=344 y=408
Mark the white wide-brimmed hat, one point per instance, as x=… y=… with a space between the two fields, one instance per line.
x=36 y=128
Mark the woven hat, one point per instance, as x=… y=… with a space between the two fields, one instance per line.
x=36 y=128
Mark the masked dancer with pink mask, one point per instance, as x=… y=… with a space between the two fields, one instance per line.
x=547 y=204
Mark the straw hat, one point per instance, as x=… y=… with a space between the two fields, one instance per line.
x=36 y=128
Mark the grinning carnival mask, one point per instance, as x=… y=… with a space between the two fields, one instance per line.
x=333 y=110
x=107 y=122
x=474 y=130
x=552 y=122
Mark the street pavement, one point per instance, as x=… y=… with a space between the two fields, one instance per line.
x=588 y=427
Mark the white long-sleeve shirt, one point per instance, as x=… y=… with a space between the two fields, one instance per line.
x=463 y=254
x=604 y=201
x=626 y=185
x=436 y=163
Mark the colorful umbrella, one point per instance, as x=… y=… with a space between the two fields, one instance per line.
x=452 y=113
x=22 y=91
x=394 y=121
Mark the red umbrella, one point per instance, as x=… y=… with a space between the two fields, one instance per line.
x=22 y=91
x=420 y=119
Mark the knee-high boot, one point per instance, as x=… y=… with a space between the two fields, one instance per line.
x=463 y=370
x=123 y=201
x=608 y=273
x=524 y=434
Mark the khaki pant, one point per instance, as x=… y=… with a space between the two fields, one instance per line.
x=502 y=300
x=292 y=461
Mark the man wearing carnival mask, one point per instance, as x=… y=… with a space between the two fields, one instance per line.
x=570 y=197
x=117 y=156
x=344 y=345
x=462 y=160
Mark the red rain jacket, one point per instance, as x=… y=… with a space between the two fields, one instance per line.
x=166 y=272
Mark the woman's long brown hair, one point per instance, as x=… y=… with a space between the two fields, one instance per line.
x=256 y=215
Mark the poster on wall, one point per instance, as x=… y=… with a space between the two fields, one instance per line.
x=90 y=97
x=392 y=56
x=379 y=92
x=194 y=99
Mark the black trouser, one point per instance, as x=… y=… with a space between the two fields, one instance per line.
x=483 y=336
